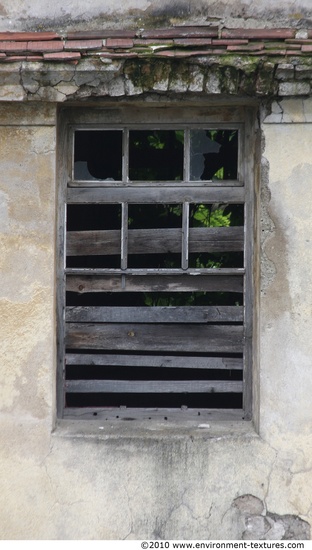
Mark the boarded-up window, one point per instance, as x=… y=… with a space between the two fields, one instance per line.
x=155 y=270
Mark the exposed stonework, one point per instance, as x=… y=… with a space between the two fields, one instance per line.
x=262 y=525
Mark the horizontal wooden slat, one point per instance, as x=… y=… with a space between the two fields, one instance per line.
x=157 y=194
x=153 y=386
x=180 y=314
x=200 y=416
x=153 y=283
x=155 y=361
x=200 y=183
x=155 y=241
x=136 y=337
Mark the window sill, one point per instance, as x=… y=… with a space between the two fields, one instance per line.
x=154 y=429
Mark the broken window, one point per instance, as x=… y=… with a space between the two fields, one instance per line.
x=155 y=272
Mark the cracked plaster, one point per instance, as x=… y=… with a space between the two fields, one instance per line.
x=150 y=483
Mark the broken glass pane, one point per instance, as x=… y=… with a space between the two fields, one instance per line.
x=98 y=155
x=213 y=154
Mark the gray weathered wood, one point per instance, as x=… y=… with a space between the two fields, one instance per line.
x=155 y=361
x=161 y=314
x=124 y=238
x=175 y=194
x=183 y=415
x=185 y=235
x=153 y=386
x=143 y=184
x=156 y=241
x=152 y=283
x=156 y=338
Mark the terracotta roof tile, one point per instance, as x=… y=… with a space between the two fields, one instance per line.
x=112 y=55
x=259 y=34
x=181 y=32
x=83 y=45
x=150 y=41
x=49 y=46
x=193 y=41
x=179 y=42
x=25 y=36
x=119 y=43
x=61 y=56
x=229 y=42
x=15 y=58
x=103 y=33
x=248 y=48
x=7 y=46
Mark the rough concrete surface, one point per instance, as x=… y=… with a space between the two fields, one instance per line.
x=76 y=480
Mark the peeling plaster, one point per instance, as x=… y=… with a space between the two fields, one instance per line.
x=260 y=524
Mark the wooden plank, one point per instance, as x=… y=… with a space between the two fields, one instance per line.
x=155 y=361
x=164 y=314
x=144 y=184
x=153 y=386
x=160 y=195
x=124 y=237
x=185 y=235
x=156 y=241
x=198 y=416
x=156 y=338
x=153 y=283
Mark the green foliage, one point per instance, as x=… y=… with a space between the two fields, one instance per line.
x=208 y=215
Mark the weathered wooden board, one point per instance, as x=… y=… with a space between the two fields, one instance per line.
x=164 y=314
x=155 y=241
x=183 y=416
x=153 y=386
x=155 y=361
x=156 y=338
x=157 y=194
x=153 y=283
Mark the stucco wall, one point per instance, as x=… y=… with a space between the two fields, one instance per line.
x=83 y=480
x=38 y=15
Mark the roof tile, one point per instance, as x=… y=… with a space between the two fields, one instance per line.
x=248 y=48
x=119 y=43
x=103 y=33
x=28 y=36
x=62 y=56
x=15 y=58
x=181 y=42
x=7 y=46
x=181 y=32
x=49 y=46
x=193 y=41
x=83 y=45
x=229 y=42
x=259 y=34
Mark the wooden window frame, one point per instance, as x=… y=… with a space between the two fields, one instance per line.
x=241 y=190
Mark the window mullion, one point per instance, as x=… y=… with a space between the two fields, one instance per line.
x=187 y=154
x=185 y=234
x=124 y=235
x=125 y=155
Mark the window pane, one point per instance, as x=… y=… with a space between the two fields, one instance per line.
x=213 y=154
x=155 y=234
x=98 y=155
x=156 y=155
